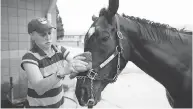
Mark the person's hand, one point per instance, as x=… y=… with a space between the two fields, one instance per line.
x=85 y=57
x=78 y=65
x=63 y=69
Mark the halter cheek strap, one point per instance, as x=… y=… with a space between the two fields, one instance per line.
x=120 y=36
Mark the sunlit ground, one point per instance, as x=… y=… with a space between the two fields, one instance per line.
x=133 y=89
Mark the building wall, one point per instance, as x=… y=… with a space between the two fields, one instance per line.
x=15 y=41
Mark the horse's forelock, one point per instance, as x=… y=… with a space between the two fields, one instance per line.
x=103 y=12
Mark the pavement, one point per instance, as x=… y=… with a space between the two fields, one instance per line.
x=133 y=89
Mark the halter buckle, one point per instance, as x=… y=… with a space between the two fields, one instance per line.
x=119 y=49
x=119 y=34
x=91 y=74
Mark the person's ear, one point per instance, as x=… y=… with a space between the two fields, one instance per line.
x=32 y=33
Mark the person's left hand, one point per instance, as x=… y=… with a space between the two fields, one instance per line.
x=63 y=69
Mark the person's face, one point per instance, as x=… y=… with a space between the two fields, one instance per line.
x=43 y=39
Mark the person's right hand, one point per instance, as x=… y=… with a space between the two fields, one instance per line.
x=85 y=57
x=78 y=65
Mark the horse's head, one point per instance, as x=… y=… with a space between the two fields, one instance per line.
x=110 y=52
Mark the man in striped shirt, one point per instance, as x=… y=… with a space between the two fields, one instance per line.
x=46 y=65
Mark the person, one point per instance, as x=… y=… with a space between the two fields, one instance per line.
x=46 y=64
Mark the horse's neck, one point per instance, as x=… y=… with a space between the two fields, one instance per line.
x=162 y=61
x=158 y=63
x=146 y=66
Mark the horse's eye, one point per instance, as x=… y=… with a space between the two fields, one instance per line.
x=105 y=36
x=113 y=29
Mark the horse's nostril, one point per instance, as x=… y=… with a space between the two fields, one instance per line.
x=82 y=90
x=83 y=96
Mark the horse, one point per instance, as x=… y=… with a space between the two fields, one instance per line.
x=161 y=51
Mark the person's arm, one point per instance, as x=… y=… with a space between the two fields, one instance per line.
x=68 y=56
x=31 y=66
x=40 y=84
x=75 y=62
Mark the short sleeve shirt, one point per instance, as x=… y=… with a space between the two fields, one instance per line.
x=53 y=98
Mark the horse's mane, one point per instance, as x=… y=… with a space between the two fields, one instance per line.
x=145 y=21
x=158 y=31
x=153 y=30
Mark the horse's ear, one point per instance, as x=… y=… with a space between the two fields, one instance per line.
x=113 y=7
x=94 y=18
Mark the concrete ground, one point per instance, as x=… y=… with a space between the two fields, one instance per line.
x=133 y=89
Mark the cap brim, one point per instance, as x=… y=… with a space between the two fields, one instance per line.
x=43 y=30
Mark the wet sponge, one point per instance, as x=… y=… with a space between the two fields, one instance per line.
x=88 y=59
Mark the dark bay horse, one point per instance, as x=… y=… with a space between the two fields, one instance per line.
x=161 y=51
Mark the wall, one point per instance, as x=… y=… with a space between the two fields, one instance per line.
x=15 y=15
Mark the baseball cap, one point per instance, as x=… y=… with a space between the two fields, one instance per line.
x=39 y=25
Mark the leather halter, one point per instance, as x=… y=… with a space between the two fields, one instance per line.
x=93 y=73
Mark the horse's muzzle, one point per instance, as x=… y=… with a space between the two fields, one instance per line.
x=84 y=98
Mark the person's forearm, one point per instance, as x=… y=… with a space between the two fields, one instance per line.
x=69 y=58
x=70 y=66
x=45 y=84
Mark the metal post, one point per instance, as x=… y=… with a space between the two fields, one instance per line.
x=11 y=89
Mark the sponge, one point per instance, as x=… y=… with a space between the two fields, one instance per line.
x=88 y=59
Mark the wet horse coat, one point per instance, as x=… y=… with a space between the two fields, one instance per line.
x=161 y=51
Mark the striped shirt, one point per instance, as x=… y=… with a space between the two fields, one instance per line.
x=53 y=98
